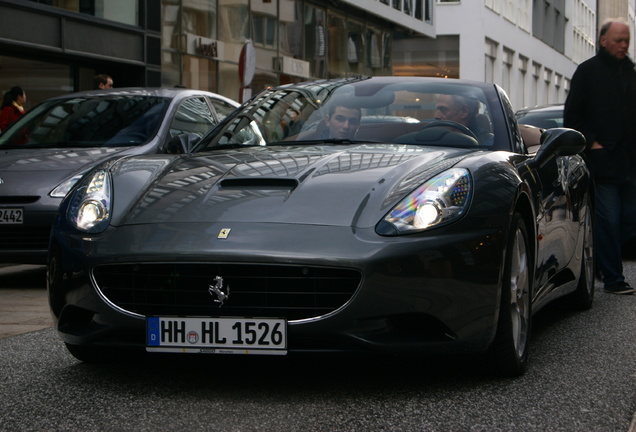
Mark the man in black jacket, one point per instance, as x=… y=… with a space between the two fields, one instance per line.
x=602 y=105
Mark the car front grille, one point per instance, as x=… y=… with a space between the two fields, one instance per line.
x=291 y=292
x=24 y=237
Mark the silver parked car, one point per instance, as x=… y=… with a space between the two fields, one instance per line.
x=48 y=149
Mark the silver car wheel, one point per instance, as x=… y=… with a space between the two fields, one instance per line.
x=519 y=293
x=588 y=253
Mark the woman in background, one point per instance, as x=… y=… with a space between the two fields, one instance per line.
x=12 y=106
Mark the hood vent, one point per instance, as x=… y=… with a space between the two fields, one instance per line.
x=259 y=183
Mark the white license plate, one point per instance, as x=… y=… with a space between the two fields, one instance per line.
x=217 y=335
x=11 y=216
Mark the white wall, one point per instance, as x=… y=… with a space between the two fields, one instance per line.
x=475 y=23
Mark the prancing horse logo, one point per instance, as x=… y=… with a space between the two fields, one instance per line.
x=217 y=290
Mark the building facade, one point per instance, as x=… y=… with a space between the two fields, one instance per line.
x=235 y=47
x=529 y=47
x=199 y=43
x=50 y=47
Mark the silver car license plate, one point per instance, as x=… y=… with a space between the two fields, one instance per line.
x=217 y=335
x=11 y=216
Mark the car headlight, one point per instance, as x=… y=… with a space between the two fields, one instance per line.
x=439 y=201
x=62 y=189
x=90 y=207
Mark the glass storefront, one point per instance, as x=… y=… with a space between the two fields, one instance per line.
x=40 y=80
x=198 y=43
x=121 y=11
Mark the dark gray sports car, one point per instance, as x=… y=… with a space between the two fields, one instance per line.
x=385 y=214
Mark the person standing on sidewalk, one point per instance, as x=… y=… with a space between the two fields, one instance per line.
x=601 y=104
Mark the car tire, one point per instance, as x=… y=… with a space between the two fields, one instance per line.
x=508 y=354
x=87 y=353
x=102 y=355
x=583 y=297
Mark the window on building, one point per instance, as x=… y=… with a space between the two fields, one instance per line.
x=506 y=70
x=315 y=40
x=494 y=5
x=291 y=28
x=491 y=56
x=199 y=17
x=377 y=52
x=509 y=10
x=547 y=79
x=356 y=52
x=337 y=54
x=523 y=71
x=171 y=25
x=408 y=7
x=121 y=11
x=233 y=21
x=524 y=14
x=264 y=30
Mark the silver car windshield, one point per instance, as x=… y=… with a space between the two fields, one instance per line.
x=88 y=122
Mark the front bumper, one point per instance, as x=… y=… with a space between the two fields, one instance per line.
x=425 y=293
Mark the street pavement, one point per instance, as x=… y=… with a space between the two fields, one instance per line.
x=23 y=304
x=24 y=309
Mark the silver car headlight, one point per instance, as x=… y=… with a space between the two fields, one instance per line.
x=439 y=201
x=90 y=207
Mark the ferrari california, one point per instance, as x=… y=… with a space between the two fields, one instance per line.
x=367 y=215
x=49 y=148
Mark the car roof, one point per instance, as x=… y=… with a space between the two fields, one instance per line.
x=170 y=93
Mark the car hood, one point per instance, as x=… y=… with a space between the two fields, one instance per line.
x=37 y=171
x=323 y=185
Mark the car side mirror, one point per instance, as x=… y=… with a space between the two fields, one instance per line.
x=559 y=142
x=183 y=143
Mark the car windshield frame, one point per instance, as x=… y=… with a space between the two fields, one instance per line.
x=117 y=120
x=386 y=106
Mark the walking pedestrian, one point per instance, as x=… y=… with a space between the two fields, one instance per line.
x=601 y=104
x=102 y=81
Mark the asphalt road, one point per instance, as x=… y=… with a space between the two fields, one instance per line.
x=582 y=377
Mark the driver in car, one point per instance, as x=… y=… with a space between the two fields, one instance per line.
x=462 y=110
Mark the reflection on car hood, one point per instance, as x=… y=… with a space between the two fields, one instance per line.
x=52 y=159
x=325 y=185
x=37 y=171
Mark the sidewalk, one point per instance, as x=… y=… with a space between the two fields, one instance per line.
x=23 y=300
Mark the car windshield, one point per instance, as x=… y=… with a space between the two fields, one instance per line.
x=443 y=113
x=104 y=121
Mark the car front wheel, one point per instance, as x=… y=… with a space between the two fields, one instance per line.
x=508 y=354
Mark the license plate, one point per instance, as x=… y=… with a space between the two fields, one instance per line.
x=217 y=335
x=11 y=216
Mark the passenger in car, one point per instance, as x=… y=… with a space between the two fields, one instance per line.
x=343 y=120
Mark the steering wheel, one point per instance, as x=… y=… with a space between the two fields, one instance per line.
x=451 y=124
